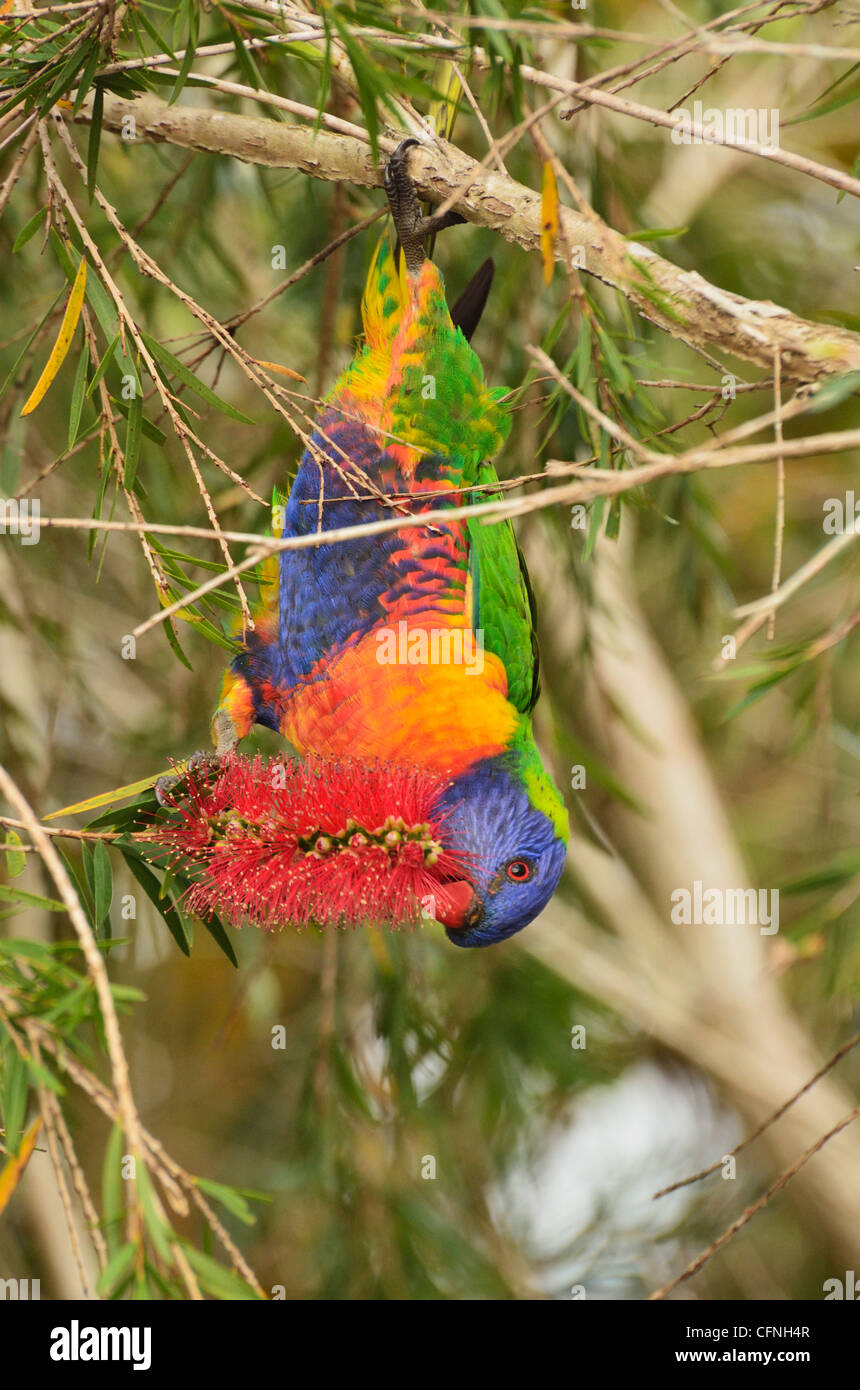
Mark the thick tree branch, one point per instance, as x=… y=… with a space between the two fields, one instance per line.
x=682 y=303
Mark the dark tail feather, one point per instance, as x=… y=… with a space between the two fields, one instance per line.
x=466 y=313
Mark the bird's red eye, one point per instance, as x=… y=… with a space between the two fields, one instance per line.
x=519 y=870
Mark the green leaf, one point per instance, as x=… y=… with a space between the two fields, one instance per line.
x=152 y=888
x=97 y=505
x=840 y=870
x=132 y=439
x=161 y=1233
x=190 y=50
x=15 y=1091
x=15 y=863
x=73 y=1004
x=29 y=230
x=20 y=946
x=126 y=994
x=757 y=692
x=368 y=81
x=67 y=75
x=104 y=364
x=826 y=108
x=215 y=1279
x=87 y=76
x=118 y=1267
x=595 y=517
x=229 y=1198
x=22 y=95
x=124 y=817
x=215 y=928
x=149 y=430
x=102 y=882
x=250 y=72
x=185 y=375
x=95 y=138
x=834 y=391
x=621 y=377
x=17 y=895
x=837 y=82
x=113 y=1203
x=173 y=642
x=78 y=887
x=163 y=45
x=137 y=789
x=42 y=1077
x=655 y=233
x=89 y=869
x=78 y=394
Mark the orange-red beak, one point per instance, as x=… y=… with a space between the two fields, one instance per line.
x=455 y=903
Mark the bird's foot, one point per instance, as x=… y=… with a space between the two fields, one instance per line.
x=411 y=225
x=204 y=758
x=226 y=738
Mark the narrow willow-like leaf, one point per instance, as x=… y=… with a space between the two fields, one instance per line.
x=190 y=51
x=95 y=138
x=185 y=375
x=113 y=1191
x=102 y=882
x=29 y=230
x=15 y=863
x=132 y=439
x=11 y=1174
x=10 y=894
x=63 y=342
x=87 y=76
x=117 y=1269
x=549 y=221
x=152 y=888
x=78 y=396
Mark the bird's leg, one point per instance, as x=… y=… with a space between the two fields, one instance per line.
x=226 y=738
x=225 y=733
x=411 y=225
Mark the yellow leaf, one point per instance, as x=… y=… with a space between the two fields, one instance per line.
x=64 y=339
x=11 y=1174
x=549 y=221
x=443 y=111
x=118 y=794
x=282 y=371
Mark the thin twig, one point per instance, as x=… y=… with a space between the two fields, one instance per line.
x=63 y=834
x=127 y=322
x=49 y=1120
x=827 y=553
x=780 y=1182
x=701 y=314
x=172 y=1176
x=97 y=972
x=766 y=1124
x=780 y=490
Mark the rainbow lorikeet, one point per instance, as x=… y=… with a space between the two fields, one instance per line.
x=415 y=645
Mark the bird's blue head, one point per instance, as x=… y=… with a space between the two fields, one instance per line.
x=510 y=821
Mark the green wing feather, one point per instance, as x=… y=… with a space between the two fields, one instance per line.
x=503 y=604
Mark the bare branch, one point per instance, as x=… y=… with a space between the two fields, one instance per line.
x=683 y=303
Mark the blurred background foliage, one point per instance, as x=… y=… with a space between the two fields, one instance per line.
x=423 y=1127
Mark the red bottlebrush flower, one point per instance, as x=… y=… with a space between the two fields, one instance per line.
x=328 y=842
